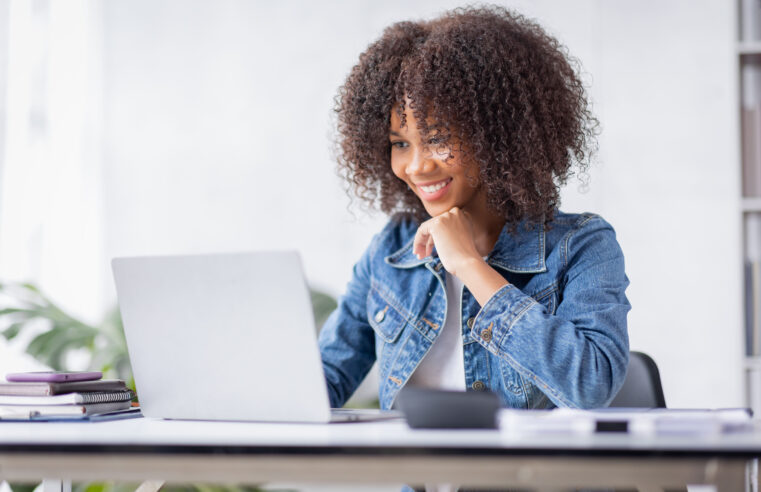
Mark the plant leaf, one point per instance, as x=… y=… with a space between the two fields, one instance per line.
x=13 y=330
x=52 y=346
x=322 y=305
x=22 y=487
x=6 y=311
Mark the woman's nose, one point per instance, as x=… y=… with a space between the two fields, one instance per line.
x=421 y=163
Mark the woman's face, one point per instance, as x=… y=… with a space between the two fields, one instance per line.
x=440 y=183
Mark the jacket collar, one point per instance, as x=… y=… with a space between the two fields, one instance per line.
x=404 y=257
x=520 y=252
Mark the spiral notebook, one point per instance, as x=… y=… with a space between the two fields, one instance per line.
x=44 y=389
x=69 y=398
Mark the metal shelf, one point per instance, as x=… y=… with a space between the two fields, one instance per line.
x=752 y=362
x=749 y=48
x=751 y=204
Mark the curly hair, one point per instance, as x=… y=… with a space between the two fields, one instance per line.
x=487 y=76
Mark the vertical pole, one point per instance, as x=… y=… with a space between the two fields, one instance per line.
x=55 y=485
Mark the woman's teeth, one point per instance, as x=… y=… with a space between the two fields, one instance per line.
x=436 y=187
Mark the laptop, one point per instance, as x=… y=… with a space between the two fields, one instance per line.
x=224 y=337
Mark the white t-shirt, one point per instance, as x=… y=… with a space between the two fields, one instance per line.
x=443 y=366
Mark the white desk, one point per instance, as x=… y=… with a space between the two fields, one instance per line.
x=383 y=452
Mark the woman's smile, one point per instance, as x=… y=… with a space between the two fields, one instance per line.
x=433 y=190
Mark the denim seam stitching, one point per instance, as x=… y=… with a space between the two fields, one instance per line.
x=546 y=291
x=540 y=251
x=501 y=293
x=376 y=326
x=391 y=370
x=541 y=383
x=525 y=306
x=525 y=390
x=392 y=301
x=537 y=379
x=529 y=303
x=571 y=233
x=514 y=312
x=401 y=251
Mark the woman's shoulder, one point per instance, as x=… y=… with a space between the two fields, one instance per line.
x=582 y=233
x=566 y=226
x=575 y=221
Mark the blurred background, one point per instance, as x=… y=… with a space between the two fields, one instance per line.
x=165 y=127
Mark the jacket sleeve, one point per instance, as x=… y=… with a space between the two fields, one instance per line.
x=347 y=342
x=577 y=356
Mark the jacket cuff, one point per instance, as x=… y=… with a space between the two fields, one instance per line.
x=498 y=316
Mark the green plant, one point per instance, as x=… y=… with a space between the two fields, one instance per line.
x=322 y=305
x=56 y=334
x=60 y=334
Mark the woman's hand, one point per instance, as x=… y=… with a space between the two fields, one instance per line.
x=452 y=234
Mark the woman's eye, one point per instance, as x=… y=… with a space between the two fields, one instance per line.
x=399 y=144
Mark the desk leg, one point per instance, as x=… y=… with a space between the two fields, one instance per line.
x=751 y=476
x=52 y=485
x=149 y=486
x=727 y=475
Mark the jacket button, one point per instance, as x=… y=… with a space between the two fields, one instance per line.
x=486 y=335
x=470 y=322
x=478 y=386
x=380 y=315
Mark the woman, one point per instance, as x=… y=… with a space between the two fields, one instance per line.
x=462 y=129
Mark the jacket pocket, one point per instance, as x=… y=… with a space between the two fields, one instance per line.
x=385 y=319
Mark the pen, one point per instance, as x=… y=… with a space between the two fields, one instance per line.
x=604 y=426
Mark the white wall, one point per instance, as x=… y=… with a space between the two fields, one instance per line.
x=669 y=110
x=50 y=151
x=218 y=118
x=216 y=122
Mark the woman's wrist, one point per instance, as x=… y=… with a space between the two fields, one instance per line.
x=482 y=280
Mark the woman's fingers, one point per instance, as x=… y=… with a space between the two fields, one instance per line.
x=452 y=228
x=423 y=237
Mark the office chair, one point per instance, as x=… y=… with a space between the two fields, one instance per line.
x=642 y=386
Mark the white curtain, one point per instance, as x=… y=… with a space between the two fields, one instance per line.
x=50 y=204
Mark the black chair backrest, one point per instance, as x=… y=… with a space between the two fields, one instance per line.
x=642 y=386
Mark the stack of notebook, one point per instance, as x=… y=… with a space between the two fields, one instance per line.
x=69 y=399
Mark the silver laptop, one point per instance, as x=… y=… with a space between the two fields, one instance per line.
x=223 y=337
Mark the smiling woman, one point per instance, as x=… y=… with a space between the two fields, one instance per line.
x=462 y=128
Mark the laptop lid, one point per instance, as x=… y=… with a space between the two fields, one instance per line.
x=222 y=337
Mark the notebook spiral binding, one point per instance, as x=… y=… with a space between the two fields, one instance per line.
x=106 y=396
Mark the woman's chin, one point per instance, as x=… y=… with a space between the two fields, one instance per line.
x=435 y=209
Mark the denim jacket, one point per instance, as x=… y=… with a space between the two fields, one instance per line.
x=554 y=336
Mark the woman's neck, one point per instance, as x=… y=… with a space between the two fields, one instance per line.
x=487 y=226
